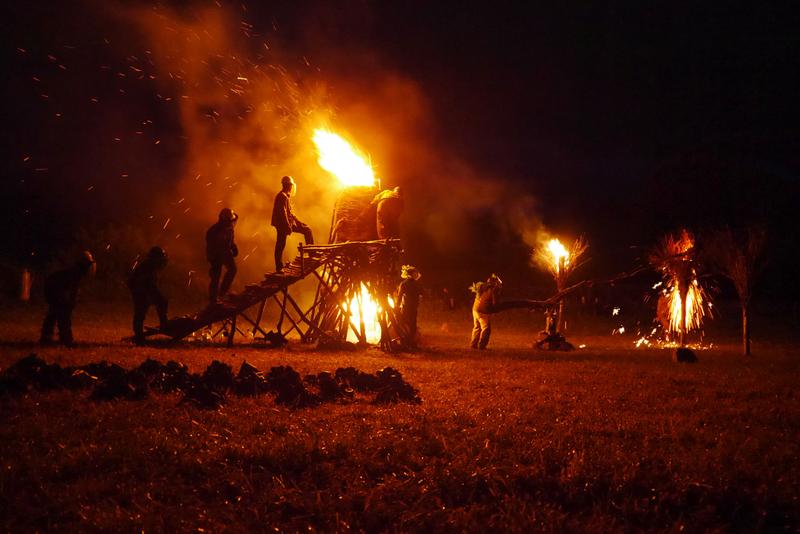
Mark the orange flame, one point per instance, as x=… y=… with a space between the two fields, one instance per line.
x=339 y=158
x=363 y=305
x=694 y=308
x=559 y=254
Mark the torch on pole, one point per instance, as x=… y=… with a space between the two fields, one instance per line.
x=561 y=262
x=560 y=286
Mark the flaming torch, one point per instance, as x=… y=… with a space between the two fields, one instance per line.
x=561 y=262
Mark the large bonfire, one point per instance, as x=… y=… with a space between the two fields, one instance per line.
x=361 y=304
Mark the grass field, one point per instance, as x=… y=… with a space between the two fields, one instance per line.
x=607 y=438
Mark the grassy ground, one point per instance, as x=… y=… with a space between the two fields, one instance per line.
x=605 y=438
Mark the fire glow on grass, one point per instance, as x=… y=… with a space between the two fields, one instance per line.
x=339 y=158
x=363 y=305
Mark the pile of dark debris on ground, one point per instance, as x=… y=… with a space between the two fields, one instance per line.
x=208 y=390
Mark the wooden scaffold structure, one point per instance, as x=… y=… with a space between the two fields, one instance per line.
x=354 y=279
x=356 y=275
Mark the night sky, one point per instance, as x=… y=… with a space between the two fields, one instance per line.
x=622 y=120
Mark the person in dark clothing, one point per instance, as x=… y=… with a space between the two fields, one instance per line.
x=61 y=294
x=143 y=283
x=389 y=207
x=221 y=251
x=285 y=222
x=484 y=305
x=409 y=293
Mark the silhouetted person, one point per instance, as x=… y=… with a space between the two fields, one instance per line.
x=61 y=294
x=221 y=251
x=448 y=300
x=388 y=210
x=482 y=308
x=285 y=222
x=143 y=283
x=409 y=293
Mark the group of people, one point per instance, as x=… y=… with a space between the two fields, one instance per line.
x=61 y=287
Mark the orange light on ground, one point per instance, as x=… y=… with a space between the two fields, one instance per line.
x=341 y=159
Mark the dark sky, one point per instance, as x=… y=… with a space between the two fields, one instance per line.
x=622 y=118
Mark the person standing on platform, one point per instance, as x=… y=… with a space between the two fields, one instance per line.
x=284 y=220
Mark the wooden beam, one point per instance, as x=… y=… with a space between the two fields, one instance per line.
x=233 y=331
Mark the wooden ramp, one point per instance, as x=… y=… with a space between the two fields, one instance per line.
x=235 y=305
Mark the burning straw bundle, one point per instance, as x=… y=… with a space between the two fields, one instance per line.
x=683 y=303
x=354 y=215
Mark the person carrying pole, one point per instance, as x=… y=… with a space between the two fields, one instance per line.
x=482 y=307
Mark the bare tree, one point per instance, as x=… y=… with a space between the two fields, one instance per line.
x=739 y=257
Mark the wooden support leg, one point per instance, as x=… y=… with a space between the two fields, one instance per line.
x=257 y=323
x=233 y=331
x=283 y=310
x=256 y=327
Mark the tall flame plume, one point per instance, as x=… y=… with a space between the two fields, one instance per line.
x=340 y=158
x=560 y=255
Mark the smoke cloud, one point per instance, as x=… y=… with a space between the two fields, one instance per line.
x=248 y=104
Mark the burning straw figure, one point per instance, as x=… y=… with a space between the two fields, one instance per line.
x=561 y=263
x=683 y=303
x=388 y=208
